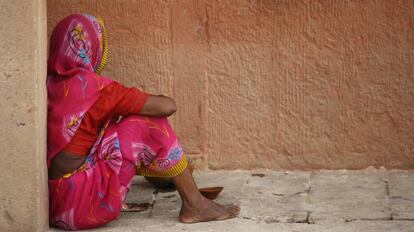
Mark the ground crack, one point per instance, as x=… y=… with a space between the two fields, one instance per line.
x=306 y=191
x=289 y=220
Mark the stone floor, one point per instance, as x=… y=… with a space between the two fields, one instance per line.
x=368 y=200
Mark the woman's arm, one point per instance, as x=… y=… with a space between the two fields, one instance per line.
x=158 y=106
x=129 y=101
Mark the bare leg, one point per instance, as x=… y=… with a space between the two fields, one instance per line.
x=195 y=207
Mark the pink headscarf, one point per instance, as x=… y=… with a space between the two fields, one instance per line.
x=78 y=53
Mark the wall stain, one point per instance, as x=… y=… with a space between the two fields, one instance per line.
x=8 y=217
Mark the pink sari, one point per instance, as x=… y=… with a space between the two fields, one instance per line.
x=93 y=195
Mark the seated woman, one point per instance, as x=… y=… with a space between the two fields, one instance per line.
x=93 y=153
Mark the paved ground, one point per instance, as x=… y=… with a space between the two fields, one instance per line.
x=369 y=200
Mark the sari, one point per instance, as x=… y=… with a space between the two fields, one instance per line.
x=93 y=194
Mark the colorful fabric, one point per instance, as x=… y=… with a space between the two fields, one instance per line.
x=114 y=100
x=93 y=195
x=75 y=54
x=161 y=156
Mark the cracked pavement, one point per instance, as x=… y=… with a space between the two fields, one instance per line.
x=366 y=200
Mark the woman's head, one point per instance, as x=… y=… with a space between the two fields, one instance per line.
x=78 y=42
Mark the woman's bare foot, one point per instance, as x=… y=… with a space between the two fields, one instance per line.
x=195 y=207
x=207 y=210
x=134 y=207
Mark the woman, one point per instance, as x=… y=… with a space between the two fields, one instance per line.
x=93 y=152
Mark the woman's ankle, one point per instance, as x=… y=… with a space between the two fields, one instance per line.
x=195 y=201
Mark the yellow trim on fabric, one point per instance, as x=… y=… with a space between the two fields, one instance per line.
x=105 y=52
x=175 y=170
x=67 y=175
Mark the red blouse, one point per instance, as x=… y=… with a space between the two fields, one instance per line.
x=114 y=100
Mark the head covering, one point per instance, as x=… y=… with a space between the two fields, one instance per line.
x=77 y=54
x=78 y=42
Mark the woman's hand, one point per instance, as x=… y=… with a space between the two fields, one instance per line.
x=159 y=106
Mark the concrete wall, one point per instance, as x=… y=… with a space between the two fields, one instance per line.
x=23 y=182
x=282 y=84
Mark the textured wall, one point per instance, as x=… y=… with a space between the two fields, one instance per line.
x=23 y=182
x=284 y=84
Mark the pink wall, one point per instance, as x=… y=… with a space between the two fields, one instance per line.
x=282 y=84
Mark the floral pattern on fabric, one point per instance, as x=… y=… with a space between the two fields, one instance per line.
x=93 y=195
x=72 y=84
